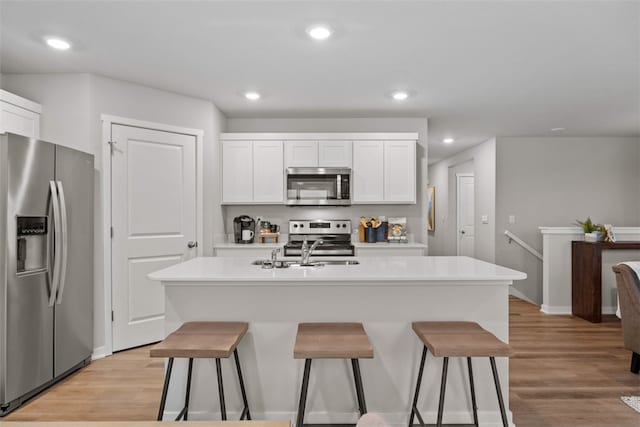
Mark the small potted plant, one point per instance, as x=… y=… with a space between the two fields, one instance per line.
x=592 y=231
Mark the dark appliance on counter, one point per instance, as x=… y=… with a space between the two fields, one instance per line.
x=335 y=234
x=244 y=229
x=318 y=187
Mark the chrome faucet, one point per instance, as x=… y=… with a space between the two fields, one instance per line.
x=306 y=250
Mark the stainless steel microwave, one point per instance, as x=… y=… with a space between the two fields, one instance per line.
x=318 y=186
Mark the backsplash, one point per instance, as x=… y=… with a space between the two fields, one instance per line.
x=282 y=214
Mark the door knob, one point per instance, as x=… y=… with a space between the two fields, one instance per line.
x=192 y=244
x=461 y=231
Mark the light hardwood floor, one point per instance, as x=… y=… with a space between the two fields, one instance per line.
x=564 y=371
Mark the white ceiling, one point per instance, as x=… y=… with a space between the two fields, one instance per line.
x=477 y=69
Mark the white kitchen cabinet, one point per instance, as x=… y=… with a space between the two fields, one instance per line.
x=237 y=172
x=400 y=171
x=19 y=115
x=336 y=154
x=368 y=171
x=268 y=172
x=252 y=172
x=299 y=154
x=384 y=172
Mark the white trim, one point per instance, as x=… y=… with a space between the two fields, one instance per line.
x=562 y=309
x=566 y=310
x=516 y=293
x=107 y=122
x=284 y=136
x=100 y=353
x=458 y=176
x=18 y=101
x=577 y=230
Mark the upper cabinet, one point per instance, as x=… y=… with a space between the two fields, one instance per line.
x=383 y=164
x=19 y=115
x=301 y=154
x=252 y=172
x=384 y=172
x=324 y=154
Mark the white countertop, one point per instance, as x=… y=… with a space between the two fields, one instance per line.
x=422 y=270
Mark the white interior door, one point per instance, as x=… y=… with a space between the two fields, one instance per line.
x=153 y=190
x=465 y=215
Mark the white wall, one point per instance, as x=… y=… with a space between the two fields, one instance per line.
x=553 y=182
x=416 y=214
x=480 y=160
x=72 y=106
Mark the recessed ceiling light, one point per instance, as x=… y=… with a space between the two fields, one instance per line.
x=319 y=32
x=252 y=96
x=557 y=129
x=448 y=140
x=400 y=95
x=57 y=43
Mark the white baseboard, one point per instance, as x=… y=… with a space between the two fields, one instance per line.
x=557 y=310
x=516 y=293
x=100 y=353
x=485 y=418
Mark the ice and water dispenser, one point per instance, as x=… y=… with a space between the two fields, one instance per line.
x=31 y=233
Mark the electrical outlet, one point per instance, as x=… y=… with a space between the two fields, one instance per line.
x=512 y=219
x=484 y=219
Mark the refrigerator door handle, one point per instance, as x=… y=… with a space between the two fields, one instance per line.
x=65 y=241
x=57 y=250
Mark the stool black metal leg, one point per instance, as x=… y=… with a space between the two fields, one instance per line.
x=355 y=364
x=165 y=389
x=414 y=406
x=496 y=380
x=443 y=387
x=223 y=410
x=303 y=393
x=635 y=363
x=245 y=411
x=188 y=392
x=473 y=393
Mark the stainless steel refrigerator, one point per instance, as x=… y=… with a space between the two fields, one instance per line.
x=46 y=265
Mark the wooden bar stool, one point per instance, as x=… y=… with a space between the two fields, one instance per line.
x=203 y=340
x=458 y=339
x=331 y=341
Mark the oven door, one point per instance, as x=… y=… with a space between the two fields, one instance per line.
x=318 y=186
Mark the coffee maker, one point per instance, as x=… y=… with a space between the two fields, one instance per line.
x=244 y=229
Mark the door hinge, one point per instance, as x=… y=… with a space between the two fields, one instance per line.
x=112 y=316
x=112 y=145
x=111 y=232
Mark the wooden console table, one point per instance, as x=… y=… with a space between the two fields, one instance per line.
x=586 y=277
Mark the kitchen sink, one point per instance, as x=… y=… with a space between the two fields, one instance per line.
x=266 y=263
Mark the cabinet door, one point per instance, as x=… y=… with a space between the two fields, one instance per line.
x=334 y=154
x=19 y=121
x=268 y=172
x=299 y=154
x=368 y=182
x=400 y=171
x=237 y=172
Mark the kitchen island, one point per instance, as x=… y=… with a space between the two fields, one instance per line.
x=384 y=293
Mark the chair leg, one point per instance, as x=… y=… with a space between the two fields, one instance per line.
x=188 y=392
x=496 y=380
x=242 y=390
x=303 y=393
x=223 y=411
x=473 y=393
x=635 y=363
x=165 y=389
x=355 y=364
x=443 y=387
x=414 y=406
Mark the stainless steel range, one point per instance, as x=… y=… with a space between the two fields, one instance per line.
x=334 y=234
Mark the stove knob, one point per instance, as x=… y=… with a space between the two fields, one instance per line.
x=295 y=225
x=301 y=225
